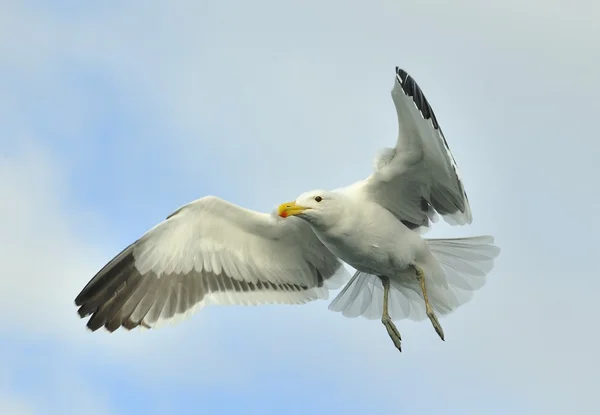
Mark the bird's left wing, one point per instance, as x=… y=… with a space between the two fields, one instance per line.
x=419 y=176
x=209 y=251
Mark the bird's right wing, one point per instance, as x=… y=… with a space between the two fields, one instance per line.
x=209 y=251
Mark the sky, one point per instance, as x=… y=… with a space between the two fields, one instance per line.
x=113 y=114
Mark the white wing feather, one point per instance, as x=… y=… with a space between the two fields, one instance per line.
x=209 y=251
x=419 y=175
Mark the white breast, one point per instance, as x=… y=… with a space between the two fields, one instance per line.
x=371 y=240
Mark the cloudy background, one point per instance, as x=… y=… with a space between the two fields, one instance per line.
x=114 y=114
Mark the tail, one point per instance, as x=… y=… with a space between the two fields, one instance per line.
x=461 y=268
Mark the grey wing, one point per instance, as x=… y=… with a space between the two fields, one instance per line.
x=419 y=176
x=209 y=252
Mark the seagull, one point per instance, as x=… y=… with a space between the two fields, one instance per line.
x=211 y=251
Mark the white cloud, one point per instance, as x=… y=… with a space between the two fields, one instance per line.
x=13 y=405
x=52 y=387
x=42 y=257
x=49 y=252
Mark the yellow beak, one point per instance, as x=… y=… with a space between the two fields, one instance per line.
x=290 y=209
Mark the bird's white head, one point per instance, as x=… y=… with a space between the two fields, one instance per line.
x=318 y=207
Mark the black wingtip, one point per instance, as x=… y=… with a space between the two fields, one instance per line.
x=410 y=88
x=401 y=73
x=403 y=78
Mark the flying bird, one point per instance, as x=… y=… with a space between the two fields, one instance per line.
x=213 y=252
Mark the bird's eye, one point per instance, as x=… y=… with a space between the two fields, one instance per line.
x=318 y=199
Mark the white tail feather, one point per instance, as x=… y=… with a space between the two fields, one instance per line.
x=464 y=264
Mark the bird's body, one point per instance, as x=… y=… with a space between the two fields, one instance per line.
x=368 y=237
x=211 y=251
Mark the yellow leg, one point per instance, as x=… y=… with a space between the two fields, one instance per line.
x=436 y=324
x=385 y=315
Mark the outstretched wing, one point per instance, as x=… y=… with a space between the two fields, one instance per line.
x=419 y=175
x=209 y=251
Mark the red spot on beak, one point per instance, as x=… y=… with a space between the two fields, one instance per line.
x=283 y=214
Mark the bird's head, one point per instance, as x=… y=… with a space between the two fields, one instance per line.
x=318 y=207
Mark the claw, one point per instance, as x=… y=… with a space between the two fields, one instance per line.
x=393 y=332
x=436 y=324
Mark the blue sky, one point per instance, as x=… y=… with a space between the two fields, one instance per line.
x=113 y=115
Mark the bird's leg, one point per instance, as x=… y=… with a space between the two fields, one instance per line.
x=436 y=324
x=385 y=315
